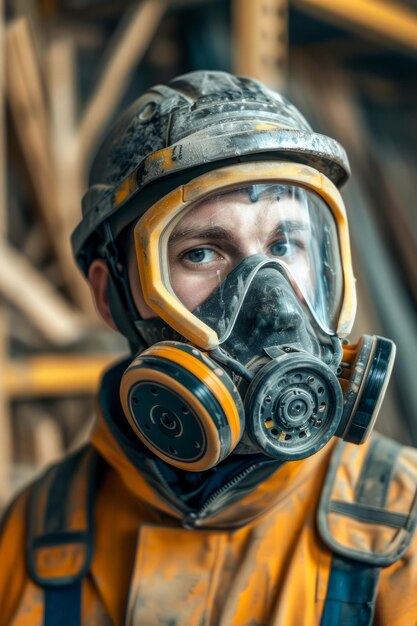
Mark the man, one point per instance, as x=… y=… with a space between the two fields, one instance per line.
x=216 y=488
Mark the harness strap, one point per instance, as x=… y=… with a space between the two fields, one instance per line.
x=353 y=584
x=351 y=594
x=60 y=542
x=63 y=605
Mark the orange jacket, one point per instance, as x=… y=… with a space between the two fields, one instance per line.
x=255 y=557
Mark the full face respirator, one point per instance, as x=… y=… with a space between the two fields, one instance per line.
x=248 y=271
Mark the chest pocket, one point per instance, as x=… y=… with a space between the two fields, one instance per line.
x=367 y=517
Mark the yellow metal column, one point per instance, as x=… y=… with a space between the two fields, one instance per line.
x=387 y=22
x=260 y=45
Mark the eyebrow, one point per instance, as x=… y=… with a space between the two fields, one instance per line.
x=217 y=233
x=290 y=225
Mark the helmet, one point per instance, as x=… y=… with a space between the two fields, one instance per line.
x=198 y=122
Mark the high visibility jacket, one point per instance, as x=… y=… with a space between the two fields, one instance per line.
x=274 y=545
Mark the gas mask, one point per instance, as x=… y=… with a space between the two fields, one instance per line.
x=248 y=269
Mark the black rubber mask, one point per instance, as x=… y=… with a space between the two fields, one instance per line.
x=267 y=330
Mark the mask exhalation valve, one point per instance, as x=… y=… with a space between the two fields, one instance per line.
x=296 y=402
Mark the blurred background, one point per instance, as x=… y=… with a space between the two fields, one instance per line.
x=69 y=67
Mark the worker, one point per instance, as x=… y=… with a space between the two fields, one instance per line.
x=231 y=479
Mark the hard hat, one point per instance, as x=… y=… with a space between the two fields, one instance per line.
x=198 y=122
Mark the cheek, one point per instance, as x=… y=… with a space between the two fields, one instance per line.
x=191 y=290
x=305 y=275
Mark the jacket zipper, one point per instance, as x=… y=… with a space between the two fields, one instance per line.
x=192 y=519
x=178 y=507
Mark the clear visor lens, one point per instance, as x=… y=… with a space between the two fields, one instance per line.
x=289 y=224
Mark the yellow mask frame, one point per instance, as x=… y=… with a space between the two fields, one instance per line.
x=151 y=227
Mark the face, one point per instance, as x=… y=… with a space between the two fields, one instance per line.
x=215 y=236
x=289 y=224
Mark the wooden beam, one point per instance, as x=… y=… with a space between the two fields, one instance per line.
x=24 y=287
x=388 y=22
x=35 y=244
x=29 y=111
x=31 y=12
x=124 y=53
x=55 y=375
x=40 y=438
x=6 y=435
x=260 y=40
x=61 y=64
x=337 y=50
x=27 y=47
x=47 y=439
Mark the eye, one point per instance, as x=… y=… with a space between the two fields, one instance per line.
x=280 y=248
x=200 y=255
x=288 y=247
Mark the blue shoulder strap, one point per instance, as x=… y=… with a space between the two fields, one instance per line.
x=353 y=582
x=351 y=594
x=60 y=541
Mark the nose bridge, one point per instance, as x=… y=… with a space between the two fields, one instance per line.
x=271 y=300
x=268 y=313
x=272 y=288
x=222 y=307
x=265 y=301
x=270 y=273
x=266 y=280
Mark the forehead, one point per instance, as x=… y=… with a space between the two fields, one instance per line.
x=246 y=207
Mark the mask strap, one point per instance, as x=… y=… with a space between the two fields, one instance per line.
x=156 y=329
x=122 y=306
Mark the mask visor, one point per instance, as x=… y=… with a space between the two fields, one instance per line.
x=195 y=239
x=290 y=225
